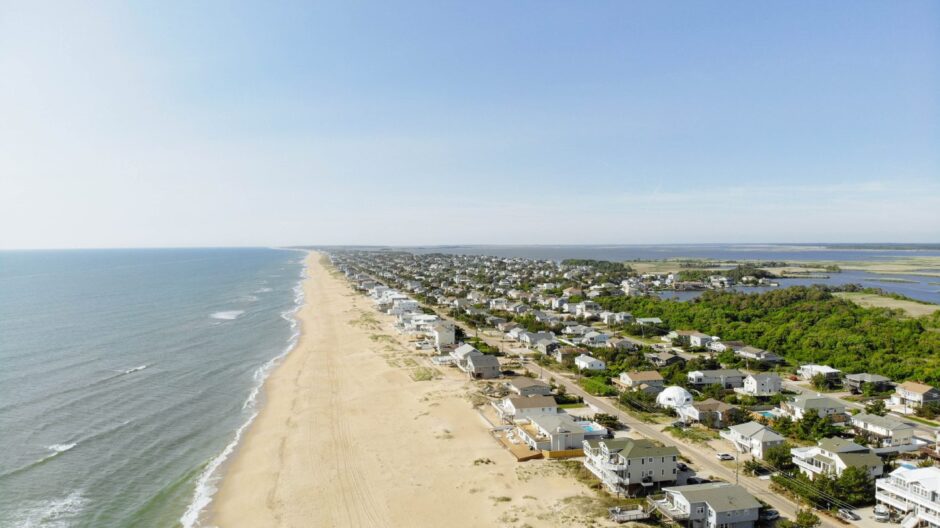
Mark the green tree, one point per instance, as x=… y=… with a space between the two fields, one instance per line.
x=820 y=382
x=806 y=519
x=779 y=457
x=876 y=407
x=855 y=486
x=752 y=466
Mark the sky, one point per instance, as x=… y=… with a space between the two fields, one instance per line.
x=169 y=124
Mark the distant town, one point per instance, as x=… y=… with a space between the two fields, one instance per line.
x=684 y=426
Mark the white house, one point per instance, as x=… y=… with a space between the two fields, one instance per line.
x=727 y=378
x=752 y=437
x=758 y=385
x=910 y=395
x=586 y=362
x=833 y=455
x=443 y=333
x=558 y=432
x=797 y=407
x=808 y=372
x=673 y=397
x=885 y=431
x=525 y=407
x=586 y=308
x=913 y=493
x=594 y=338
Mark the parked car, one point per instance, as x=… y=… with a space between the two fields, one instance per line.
x=725 y=456
x=881 y=514
x=769 y=515
x=848 y=515
x=682 y=467
x=697 y=480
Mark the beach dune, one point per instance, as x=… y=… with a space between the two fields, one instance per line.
x=346 y=437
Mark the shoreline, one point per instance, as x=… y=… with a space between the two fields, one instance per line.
x=347 y=437
x=207 y=483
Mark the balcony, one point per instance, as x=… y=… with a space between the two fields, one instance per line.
x=893 y=501
x=668 y=509
x=810 y=465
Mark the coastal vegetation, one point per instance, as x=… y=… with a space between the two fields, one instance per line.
x=806 y=325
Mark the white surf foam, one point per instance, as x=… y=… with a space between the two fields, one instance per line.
x=206 y=485
x=263 y=290
x=135 y=369
x=60 y=448
x=227 y=315
x=53 y=513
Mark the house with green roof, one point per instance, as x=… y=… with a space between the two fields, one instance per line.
x=630 y=466
x=833 y=455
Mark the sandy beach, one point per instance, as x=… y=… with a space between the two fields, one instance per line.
x=348 y=437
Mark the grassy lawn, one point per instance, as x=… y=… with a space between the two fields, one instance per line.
x=572 y=405
x=922 y=420
x=868 y=300
x=699 y=435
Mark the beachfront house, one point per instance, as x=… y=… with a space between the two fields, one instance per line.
x=710 y=505
x=831 y=456
x=910 y=395
x=630 y=466
x=760 y=385
x=752 y=437
x=526 y=386
x=586 y=362
x=483 y=367
x=558 y=432
x=462 y=354
x=443 y=333
x=524 y=407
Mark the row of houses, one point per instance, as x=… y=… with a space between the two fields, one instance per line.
x=635 y=466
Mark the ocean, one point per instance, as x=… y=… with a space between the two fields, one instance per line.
x=127 y=377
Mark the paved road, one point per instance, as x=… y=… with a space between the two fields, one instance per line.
x=922 y=431
x=703 y=459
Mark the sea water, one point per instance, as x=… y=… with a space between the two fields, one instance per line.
x=128 y=376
